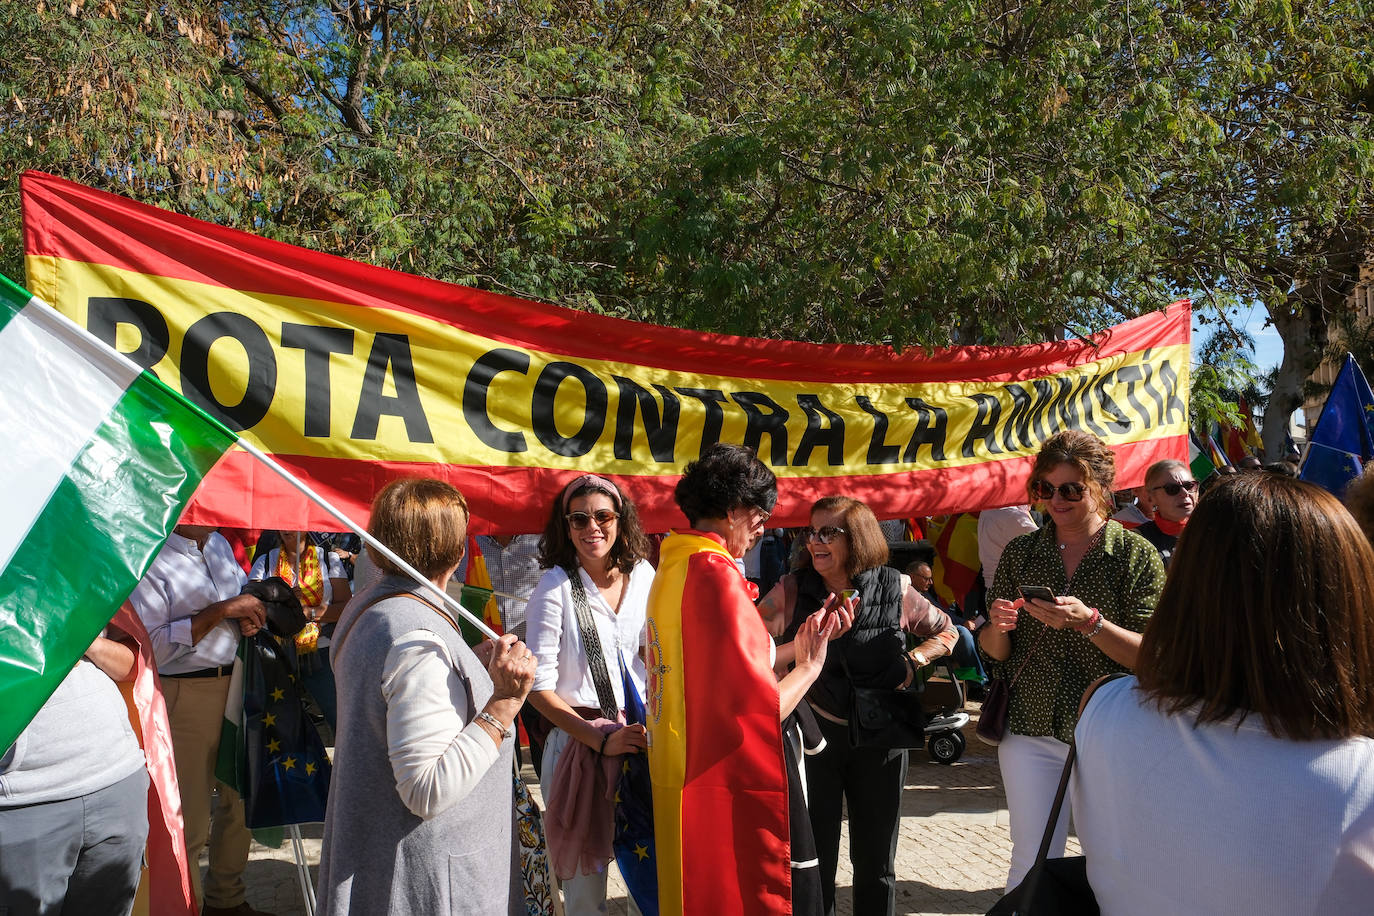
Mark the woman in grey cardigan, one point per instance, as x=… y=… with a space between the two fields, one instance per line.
x=420 y=809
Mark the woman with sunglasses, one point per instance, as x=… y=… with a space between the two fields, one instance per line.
x=1173 y=491
x=1105 y=581
x=597 y=580
x=846 y=550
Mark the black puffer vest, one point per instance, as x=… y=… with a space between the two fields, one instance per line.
x=873 y=649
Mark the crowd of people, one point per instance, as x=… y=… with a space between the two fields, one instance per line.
x=1230 y=771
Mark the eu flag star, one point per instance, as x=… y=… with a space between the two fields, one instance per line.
x=269 y=720
x=273 y=746
x=642 y=851
x=310 y=769
x=289 y=763
x=278 y=694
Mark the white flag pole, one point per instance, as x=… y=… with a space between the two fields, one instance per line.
x=372 y=542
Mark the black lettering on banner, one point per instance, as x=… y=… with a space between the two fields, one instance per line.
x=1147 y=382
x=390 y=351
x=831 y=435
x=262 y=368
x=764 y=416
x=984 y=424
x=475 y=388
x=1086 y=405
x=659 y=430
x=1023 y=428
x=1112 y=414
x=931 y=424
x=318 y=343
x=1169 y=379
x=1131 y=375
x=104 y=315
x=1063 y=412
x=711 y=399
x=879 y=452
x=543 y=409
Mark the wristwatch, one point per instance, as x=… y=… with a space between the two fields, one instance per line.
x=920 y=659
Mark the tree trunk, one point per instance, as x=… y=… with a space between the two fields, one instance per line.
x=1286 y=396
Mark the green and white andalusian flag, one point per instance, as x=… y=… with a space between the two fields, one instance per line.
x=99 y=460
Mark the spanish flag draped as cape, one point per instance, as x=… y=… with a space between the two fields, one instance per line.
x=715 y=740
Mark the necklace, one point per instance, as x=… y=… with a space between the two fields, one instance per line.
x=1092 y=540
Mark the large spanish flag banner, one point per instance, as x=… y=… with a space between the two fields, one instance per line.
x=715 y=740
x=351 y=375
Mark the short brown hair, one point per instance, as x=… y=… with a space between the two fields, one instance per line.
x=556 y=547
x=867 y=546
x=1264 y=612
x=424 y=521
x=1084 y=451
x=1359 y=499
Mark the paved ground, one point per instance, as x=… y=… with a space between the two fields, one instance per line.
x=952 y=855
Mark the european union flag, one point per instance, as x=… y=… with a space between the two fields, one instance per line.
x=1343 y=441
x=634 y=815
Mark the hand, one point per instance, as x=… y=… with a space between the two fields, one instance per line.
x=485 y=651
x=813 y=638
x=246 y=607
x=630 y=739
x=1064 y=611
x=511 y=668
x=844 y=610
x=247 y=627
x=1002 y=615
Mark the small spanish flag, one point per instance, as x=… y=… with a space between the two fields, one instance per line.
x=715 y=740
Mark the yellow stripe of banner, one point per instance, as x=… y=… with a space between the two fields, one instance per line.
x=324 y=379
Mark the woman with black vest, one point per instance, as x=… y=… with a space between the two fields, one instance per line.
x=845 y=549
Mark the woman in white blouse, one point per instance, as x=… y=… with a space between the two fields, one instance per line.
x=594 y=551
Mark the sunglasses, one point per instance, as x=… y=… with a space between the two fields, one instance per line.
x=1174 y=488
x=579 y=520
x=1044 y=490
x=824 y=535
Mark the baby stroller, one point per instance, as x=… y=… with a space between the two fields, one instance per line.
x=943 y=698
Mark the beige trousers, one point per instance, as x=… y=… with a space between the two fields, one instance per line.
x=195 y=707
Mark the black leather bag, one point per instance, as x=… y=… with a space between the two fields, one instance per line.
x=992 y=718
x=886 y=718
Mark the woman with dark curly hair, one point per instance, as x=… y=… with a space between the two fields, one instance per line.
x=1103 y=582
x=713 y=688
x=585 y=623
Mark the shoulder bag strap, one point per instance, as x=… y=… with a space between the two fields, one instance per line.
x=1043 y=852
x=591 y=644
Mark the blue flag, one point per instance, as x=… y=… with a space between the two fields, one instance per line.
x=1343 y=441
x=634 y=815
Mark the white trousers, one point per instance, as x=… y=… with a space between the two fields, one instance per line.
x=1031 y=768
x=584 y=895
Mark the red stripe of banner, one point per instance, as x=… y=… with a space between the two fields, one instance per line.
x=67 y=220
x=521 y=492
x=735 y=843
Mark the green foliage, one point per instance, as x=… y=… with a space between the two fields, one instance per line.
x=947 y=171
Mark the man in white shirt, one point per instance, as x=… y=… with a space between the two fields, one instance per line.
x=190 y=602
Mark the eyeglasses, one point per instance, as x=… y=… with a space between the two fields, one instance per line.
x=1044 y=490
x=579 y=520
x=824 y=535
x=1173 y=488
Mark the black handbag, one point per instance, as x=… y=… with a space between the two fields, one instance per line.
x=1059 y=886
x=886 y=717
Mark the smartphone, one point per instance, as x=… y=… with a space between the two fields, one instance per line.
x=1042 y=592
x=850 y=594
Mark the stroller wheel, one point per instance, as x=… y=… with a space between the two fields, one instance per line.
x=947 y=748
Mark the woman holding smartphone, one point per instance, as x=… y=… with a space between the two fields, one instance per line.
x=842 y=566
x=1102 y=584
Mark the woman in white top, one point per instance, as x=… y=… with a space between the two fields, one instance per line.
x=593 y=533
x=1235 y=773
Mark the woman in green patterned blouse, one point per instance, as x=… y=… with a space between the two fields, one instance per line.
x=1106 y=581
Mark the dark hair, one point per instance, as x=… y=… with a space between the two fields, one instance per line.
x=1084 y=451
x=1286 y=468
x=867 y=546
x=725 y=477
x=1264 y=611
x=424 y=521
x=556 y=547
